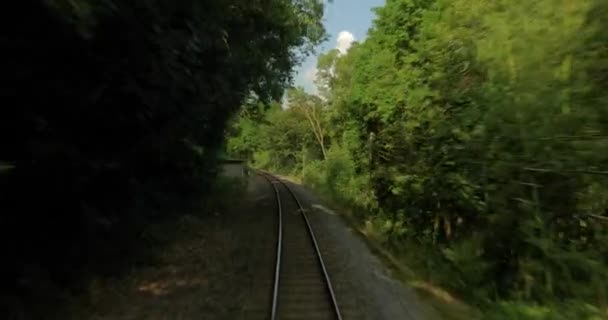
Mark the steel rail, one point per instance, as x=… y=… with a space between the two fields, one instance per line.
x=327 y=279
x=277 y=269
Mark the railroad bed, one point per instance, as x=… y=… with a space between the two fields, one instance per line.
x=302 y=287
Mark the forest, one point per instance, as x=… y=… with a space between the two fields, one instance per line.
x=471 y=137
x=113 y=115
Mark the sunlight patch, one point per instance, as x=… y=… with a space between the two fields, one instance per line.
x=324 y=209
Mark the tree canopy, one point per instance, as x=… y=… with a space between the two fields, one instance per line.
x=111 y=109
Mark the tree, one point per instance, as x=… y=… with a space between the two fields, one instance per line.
x=325 y=79
x=311 y=107
x=115 y=109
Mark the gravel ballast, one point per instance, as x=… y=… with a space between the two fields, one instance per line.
x=359 y=277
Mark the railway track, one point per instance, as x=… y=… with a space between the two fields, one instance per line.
x=302 y=287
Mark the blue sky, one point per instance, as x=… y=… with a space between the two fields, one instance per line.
x=345 y=20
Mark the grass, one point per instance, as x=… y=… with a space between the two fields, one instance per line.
x=445 y=304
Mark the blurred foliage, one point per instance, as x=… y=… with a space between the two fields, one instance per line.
x=478 y=131
x=113 y=112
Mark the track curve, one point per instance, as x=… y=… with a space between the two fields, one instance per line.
x=302 y=286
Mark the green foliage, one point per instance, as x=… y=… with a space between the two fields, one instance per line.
x=115 y=110
x=478 y=131
x=336 y=176
x=565 y=311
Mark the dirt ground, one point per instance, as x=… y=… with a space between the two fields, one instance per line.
x=221 y=267
x=209 y=270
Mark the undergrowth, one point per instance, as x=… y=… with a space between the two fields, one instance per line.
x=451 y=276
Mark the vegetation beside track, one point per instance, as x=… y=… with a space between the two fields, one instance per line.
x=471 y=137
x=112 y=116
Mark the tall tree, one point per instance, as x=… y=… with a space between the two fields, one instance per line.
x=311 y=107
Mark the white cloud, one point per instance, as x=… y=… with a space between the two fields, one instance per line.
x=345 y=40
